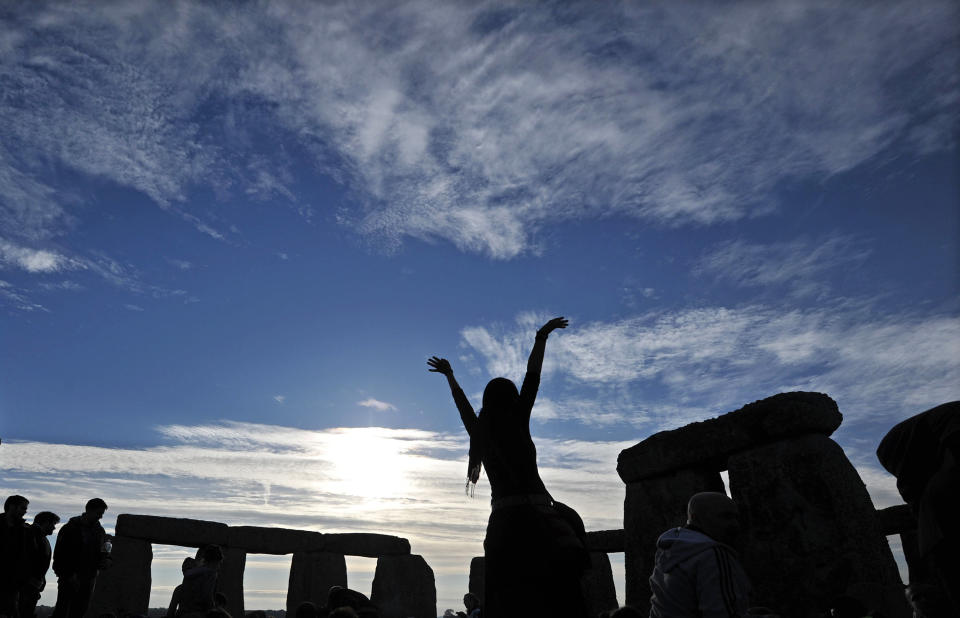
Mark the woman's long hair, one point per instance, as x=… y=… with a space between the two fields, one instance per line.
x=500 y=397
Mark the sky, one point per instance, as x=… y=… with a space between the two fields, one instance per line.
x=231 y=234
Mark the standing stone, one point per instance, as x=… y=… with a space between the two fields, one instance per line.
x=478 y=578
x=403 y=586
x=311 y=576
x=597 y=585
x=607 y=541
x=811 y=532
x=124 y=588
x=652 y=507
x=230 y=580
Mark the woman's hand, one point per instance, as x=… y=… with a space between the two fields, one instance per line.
x=440 y=365
x=552 y=325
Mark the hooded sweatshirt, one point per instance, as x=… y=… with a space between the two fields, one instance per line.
x=78 y=548
x=696 y=576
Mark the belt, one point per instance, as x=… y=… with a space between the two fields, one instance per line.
x=521 y=499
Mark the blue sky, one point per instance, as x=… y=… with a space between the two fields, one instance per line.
x=231 y=234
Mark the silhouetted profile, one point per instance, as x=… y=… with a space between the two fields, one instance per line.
x=534 y=547
x=13 y=551
x=696 y=571
x=78 y=557
x=472 y=605
x=174 y=608
x=923 y=452
x=36 y=561
x=200 y=584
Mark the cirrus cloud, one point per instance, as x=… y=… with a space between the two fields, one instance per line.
x=475 y=124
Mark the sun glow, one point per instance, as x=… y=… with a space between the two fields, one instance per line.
x=369 y=463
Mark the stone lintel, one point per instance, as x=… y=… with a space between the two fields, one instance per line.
x=607 y=541
x=257 y=539
x=712 y=441
x=896 y=519
x=265 y=540
x=365 y=544
x=171 y=530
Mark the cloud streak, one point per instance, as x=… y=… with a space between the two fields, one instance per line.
x=800 y=264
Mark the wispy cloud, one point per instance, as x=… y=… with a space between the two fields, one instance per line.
x=801 y=264
x=60 y=285
x=133 y=307
x=667 y=368
x=16 y=298
x=376 y=404
x=33 y=260
x=279 y=398
x=181 y=264
x=475 y=124
x=45 y=262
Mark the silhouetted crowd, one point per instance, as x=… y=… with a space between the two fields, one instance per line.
x=82 y=551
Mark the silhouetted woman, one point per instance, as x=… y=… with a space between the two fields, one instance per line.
x=534 y=550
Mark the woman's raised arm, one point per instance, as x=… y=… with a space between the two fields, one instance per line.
x=531 y=381
x=467 y=415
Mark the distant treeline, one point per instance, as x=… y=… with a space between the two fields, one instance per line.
x=44 y=611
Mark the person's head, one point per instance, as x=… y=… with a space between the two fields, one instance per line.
x=346 y=597
x=715 y=514
x=307 y=610
x=93 y=511
x=470 y=601
x=46 y=521
x=500 y=394
x=212 y=556
x=188 y=563
x=15 y=507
